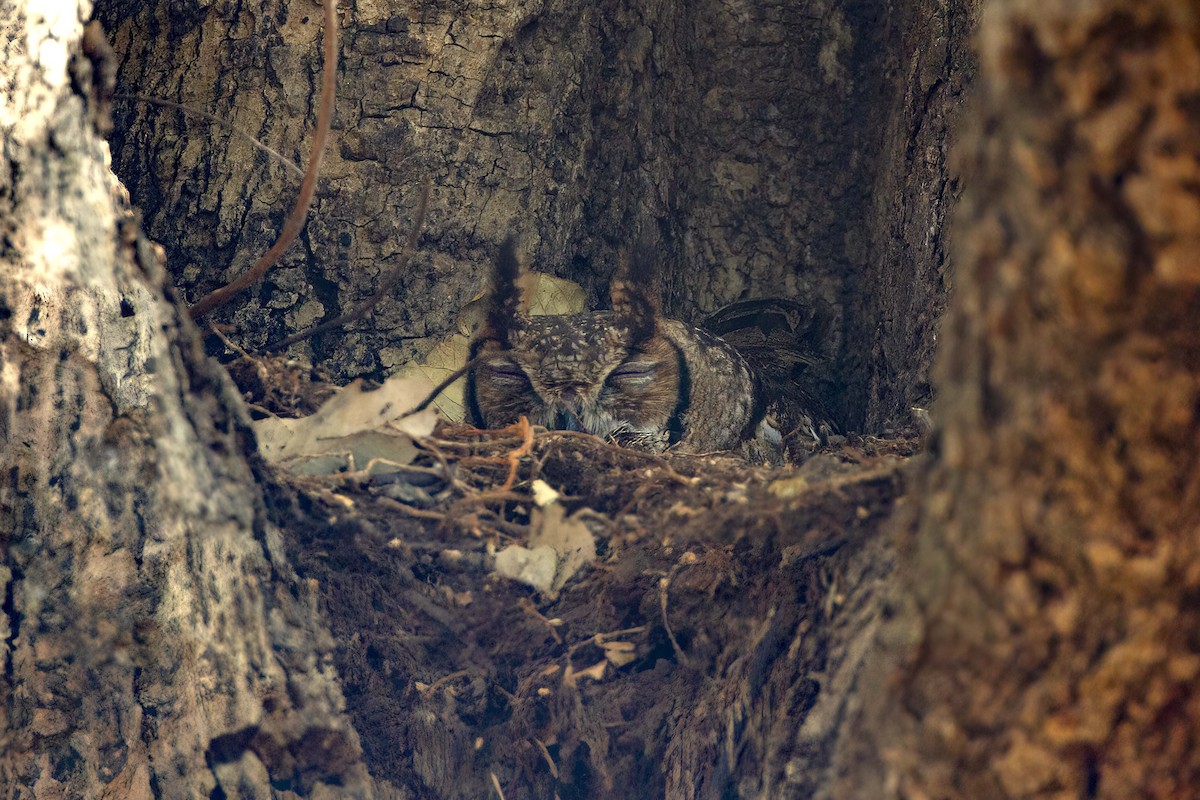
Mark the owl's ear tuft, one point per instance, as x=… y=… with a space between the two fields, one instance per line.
x=504 y=307
x=632 y=299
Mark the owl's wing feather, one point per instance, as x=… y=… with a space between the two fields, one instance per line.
x=786 y=343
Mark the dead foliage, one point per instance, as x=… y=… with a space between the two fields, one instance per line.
x=275 y=385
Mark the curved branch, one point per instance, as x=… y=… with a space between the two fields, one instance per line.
x=295 y=221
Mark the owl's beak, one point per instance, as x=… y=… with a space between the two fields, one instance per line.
x=566 y=421
x=566 y=418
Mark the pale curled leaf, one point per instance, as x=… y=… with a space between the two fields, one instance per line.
x=541 y=295
x=558 y=549
x=548 y=295
x=351 y=429
x=446 y=356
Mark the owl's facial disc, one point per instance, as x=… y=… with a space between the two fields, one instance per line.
x=580 y=373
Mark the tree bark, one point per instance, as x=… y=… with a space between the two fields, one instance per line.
x=154 y=640
x=1045 y=643
x=793 y=149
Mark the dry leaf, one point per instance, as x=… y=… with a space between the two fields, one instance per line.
x=559 y=548
x=534 y=567
x=351 y=429
x=446 y=356
x=546 y=295
x=373 y=452
x=595 y=672
x=569 y=537
x=619 y=653
x=543 y=494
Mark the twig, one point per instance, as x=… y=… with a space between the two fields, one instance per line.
x=385 y=286
x=442 y=681
x=200 y=112
x=546 y=755
x=664 y=584
x=501 y=496
x=496 y=785
x=503 y=530
x=450 y=473
x=526 y=605
x=487 y=444
x=295 y=221
x=515 y=455
x=599 y=639
x=408 y=510
x=234 y=347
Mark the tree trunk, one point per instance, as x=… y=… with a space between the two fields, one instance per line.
x=154 y=640
x=793 y=150
x=1046 y=640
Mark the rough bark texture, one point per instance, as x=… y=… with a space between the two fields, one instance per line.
x=772 y=149
x=154 y=640
x=1047 y=640
x=897 y=304
x=793 y=149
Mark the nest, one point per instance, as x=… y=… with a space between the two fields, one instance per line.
x=464 y=679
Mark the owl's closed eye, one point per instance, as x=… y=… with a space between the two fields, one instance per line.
x=628 y=375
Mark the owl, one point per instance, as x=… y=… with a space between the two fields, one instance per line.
x=628 y=375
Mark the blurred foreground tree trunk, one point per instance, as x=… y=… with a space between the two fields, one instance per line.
x=154 y=642
x=1047 y=639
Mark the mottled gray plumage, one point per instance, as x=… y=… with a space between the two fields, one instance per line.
x=629 y=375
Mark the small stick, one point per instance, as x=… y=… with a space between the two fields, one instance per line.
x=514 y=456
x=408 y=510
x=549 y=760
x=496 y=785
x=295 y=221
x=526 y=605
x=200 y=112
x=664 y=584
x=442 y=681
x=441 y=387
x=231 y=345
